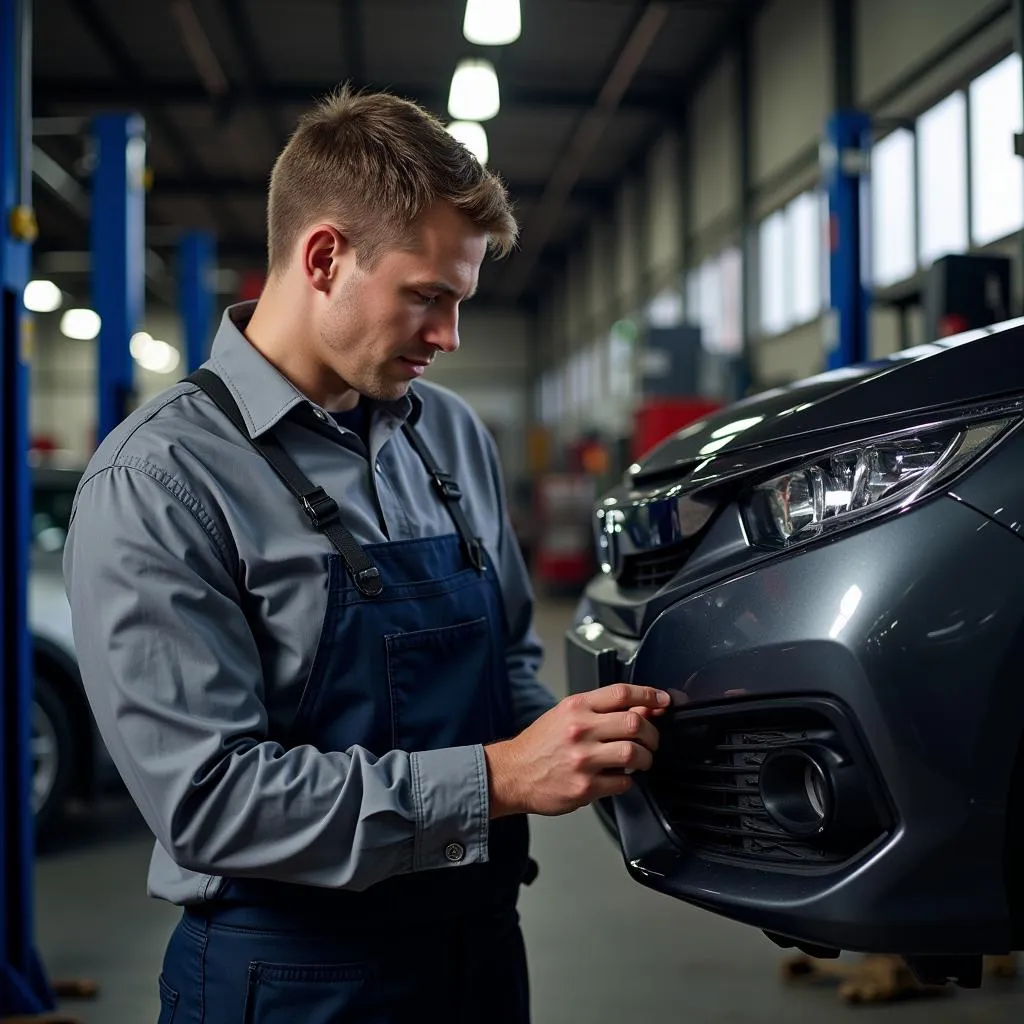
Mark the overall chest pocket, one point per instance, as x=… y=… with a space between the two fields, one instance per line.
x=441 y=683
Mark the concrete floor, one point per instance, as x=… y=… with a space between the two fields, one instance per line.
x=601 y=947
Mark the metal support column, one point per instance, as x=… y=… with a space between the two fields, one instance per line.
x=1018 y=42
x=118 y=257
x=743 y=371
x=23 y=986
x=844 y=167
x=196 y=261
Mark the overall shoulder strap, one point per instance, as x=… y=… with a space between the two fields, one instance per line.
x=318 y=505
x=451 y=494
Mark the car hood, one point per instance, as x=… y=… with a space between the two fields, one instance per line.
x=976 y=365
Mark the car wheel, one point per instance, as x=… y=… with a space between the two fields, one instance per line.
x=52 y=753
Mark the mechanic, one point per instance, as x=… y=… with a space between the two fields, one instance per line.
x=305 y=627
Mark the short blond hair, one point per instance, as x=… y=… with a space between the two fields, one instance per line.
x=373 y=163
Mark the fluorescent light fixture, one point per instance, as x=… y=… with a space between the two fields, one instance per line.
x=472 y=136
x=80 y=324
x=152 y=354
x=492 y=22
x=42 y=297
x=474 y=92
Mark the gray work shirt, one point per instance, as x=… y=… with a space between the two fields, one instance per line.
x=198 y=589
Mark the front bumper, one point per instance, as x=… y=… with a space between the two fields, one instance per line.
x=909 y=631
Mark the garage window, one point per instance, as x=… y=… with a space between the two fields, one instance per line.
x=711 y=305
x=731 y=338
x=804 y=227
x=775 y=316
x=620 y=359
x=713 y=301
x=942 y=179
x=997 y=177
x=892 y=209
x=791 y=265
x=551 y=398
x=665 y=309
x=693 y=296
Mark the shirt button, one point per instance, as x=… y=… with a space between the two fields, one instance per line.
x=455 y=852
x=319 y=414
x=377 y=466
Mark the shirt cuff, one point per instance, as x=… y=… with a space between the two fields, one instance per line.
x=452 y=806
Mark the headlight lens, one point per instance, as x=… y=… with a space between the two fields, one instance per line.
x=846 y=486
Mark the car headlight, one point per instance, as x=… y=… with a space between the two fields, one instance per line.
x=846 y=486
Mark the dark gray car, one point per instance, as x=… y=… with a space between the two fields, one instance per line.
x=829 y=579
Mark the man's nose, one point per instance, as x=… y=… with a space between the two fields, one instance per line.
x=443 y=331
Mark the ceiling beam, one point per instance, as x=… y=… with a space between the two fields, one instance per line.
x=134 y=84
x=352 y=47
x=591 y=126
x=257 y=90
x=93 y=92
x=200 y=50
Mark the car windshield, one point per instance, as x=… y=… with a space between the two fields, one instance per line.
x=51 y=513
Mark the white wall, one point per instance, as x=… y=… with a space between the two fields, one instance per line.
x=664 y=214
x=789 y=357
x=600 y=275
x=714 y=143
x=576 y=284
x=895 y=36
x=791 y=86
x=626 y=258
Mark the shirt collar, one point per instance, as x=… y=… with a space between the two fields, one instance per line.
x=263 y=394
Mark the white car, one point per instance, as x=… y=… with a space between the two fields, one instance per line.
x=69 y=760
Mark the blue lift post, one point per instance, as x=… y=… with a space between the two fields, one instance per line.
x=196 y=260
x=118 y=257
x=845 y=156
x=24 y=989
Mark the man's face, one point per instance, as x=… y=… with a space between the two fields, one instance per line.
x=387 y=324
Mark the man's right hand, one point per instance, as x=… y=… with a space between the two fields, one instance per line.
x=582 y=749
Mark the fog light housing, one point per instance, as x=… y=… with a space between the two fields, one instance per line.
x=796 y=791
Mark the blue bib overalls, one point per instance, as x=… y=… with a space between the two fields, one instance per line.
x=417 y=665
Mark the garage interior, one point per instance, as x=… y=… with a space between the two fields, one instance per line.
x=683 y=245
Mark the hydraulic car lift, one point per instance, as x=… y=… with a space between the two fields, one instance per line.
x=24 y=988
x=196 y=262
x=844 y=157
x=118 y=257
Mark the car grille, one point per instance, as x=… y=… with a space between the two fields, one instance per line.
x=705 y=781
x=652 y=569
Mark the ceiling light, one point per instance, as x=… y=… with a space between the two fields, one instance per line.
x=42 y=297
x=492 y=22
x=141 y=340
x=472 y=136
x=80 y=324
x=474 y=92
x=152 y=354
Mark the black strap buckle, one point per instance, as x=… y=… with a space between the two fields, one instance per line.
x=321 y=508
x=447 y=486
x=475 y=553
x=369 y=582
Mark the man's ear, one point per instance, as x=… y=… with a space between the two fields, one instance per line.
x=323 y=250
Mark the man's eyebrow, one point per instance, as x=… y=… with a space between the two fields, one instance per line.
x=445 y=289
